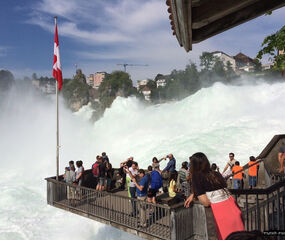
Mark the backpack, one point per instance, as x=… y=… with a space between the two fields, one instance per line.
x=96 y=169
x=156 y=180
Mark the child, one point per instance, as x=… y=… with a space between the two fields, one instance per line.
x=252 y=172
x=237 y=178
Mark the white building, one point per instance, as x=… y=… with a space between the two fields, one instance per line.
x=141 y=83
x=161 y=82
x=146 y=92
x=225 y=58
x=267 y=66
x=48 y=88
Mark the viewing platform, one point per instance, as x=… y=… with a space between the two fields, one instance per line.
x=263 y=209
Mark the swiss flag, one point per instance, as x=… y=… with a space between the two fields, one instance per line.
x=56 y=72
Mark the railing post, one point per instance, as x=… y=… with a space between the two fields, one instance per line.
x=172 y=225
x=278 y=210
x=257 y=213
x=246 y=206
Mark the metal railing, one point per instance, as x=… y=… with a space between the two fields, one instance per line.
x=144 y=217
x=262 y=209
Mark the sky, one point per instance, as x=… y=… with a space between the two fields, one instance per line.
x=96 y=35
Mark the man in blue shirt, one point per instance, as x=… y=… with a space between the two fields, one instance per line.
x=171 y=165
x=141 y=194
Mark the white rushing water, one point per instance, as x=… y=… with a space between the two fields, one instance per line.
x=216 y=120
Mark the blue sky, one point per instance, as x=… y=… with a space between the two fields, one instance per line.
x=98 y=34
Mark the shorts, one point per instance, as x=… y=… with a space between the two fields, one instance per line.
x=108 y=181
x=152 y=193
x=101 y=181
x=237 y=183
x=252 y=180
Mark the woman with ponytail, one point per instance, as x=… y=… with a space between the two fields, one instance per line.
x=210 y=188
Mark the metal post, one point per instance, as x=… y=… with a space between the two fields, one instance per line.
x=57 y=124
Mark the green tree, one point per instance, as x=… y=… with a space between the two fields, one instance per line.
x=219 y=70
x=6 y=80
x=230 y=73
x=79 y=76
x=34 y=76
x=272 y=45
x=192 y=81
x=207 y=60
x=118 y=83
x=75 y=91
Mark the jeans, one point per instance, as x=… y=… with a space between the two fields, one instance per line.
x=142 y=210
x=133 y=195
x=252 y=181
x=237 y=183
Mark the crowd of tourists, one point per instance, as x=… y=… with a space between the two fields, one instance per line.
x=195 y=179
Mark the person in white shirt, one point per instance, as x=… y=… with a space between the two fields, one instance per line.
x=131 y=186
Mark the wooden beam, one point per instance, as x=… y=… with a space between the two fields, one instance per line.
x=236 y=18
x=181 y=12
x=197 y=3
x=211 y=11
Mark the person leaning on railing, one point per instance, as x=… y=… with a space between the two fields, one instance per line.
x=252 y=172
x=142 y=187
x=210 y=188
x=122 y=172
x=281 y=158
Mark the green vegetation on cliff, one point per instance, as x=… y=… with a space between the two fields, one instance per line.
x=75 y=91
x=117 y=83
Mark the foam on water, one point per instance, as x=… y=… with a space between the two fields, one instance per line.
x=216 y=120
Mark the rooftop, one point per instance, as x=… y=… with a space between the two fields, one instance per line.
x=193 y=21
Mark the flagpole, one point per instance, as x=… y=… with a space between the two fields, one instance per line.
x=57 y=124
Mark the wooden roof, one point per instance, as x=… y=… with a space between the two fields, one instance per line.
x=193 y=21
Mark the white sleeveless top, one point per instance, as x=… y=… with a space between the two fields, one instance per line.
x=218 y=195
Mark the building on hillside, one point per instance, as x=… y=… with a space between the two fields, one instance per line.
x=225 y=58
x=267 y=66
x=141 y=84
x=161 y=80
x=244 y=63
x=98 y=78
x=146 y=92
x=95 y=80
x=90 y=80
x=48 y=87
x=36 y=83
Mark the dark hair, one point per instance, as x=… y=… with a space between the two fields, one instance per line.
x=237 y=163
x=252 y=158
x=71 y=162
x=232 y=154
x=97 y=157
x=79 y=163
x=103 y=154
x=149 y=168
x=185 y=165
x=200 y=165
x=155 y=160
x=173 y=176
x=214 y=166
x=136 y=164
x=142 y=171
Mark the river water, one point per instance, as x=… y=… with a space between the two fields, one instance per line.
x=216 y=121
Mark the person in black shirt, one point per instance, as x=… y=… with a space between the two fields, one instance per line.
x=210 y=188
x=101 y=182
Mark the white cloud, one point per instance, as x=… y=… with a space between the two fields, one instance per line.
x=138 y=31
